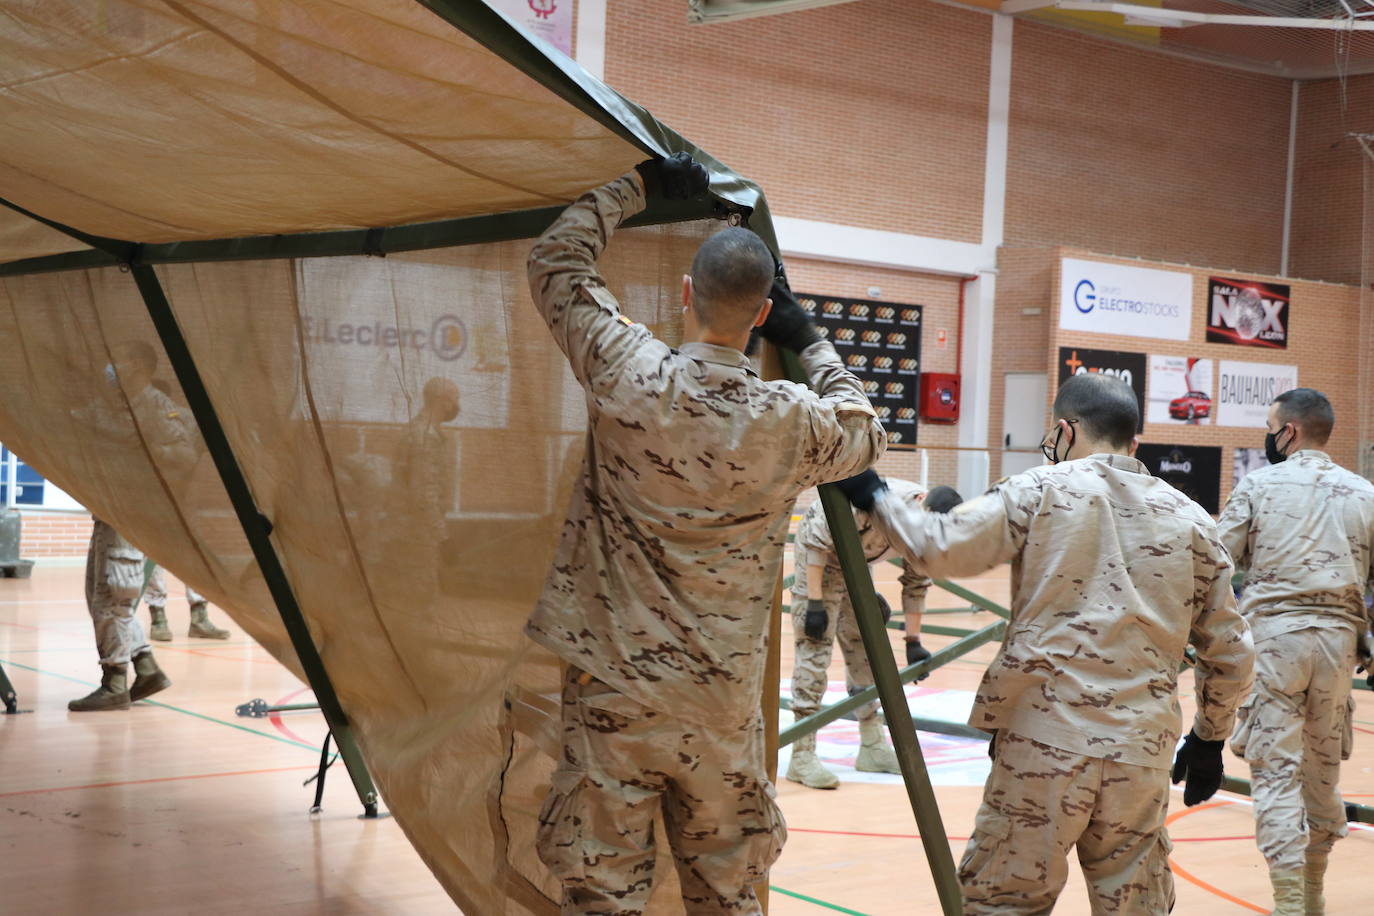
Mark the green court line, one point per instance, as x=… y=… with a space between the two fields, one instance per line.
x=243 y=728
x=87 y=648
x=829 y=906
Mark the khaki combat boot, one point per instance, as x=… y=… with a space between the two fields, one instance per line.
x=113 y=692
x=159 y=630
x=1287 y=893
x=807 y=769
x=149 y=678
x=1313 y=876
x=202 y=627
x=875 y=754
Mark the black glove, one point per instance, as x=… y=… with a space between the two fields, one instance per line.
x=788 y=324
x=915 y=652
x=1364 y=654
x=862 y=489
x=816 y=619
x=1200 y=763
x=679 y=177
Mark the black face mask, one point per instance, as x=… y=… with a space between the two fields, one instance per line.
x=1271 y=447
x=1051 y=452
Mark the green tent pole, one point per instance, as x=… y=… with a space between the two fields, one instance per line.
x=889 y=686
x=256 y=528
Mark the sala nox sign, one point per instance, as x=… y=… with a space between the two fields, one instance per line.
x=1247 y=313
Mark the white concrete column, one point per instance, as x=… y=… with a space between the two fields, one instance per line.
x=975 y=344
x=589 y=42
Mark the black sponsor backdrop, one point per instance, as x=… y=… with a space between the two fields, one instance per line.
x=1194 y=469
x=880 y=342
x=1127 y=366
x=1247 y=313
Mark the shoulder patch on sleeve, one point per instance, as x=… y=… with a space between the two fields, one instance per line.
x=862 y=407
x=602 y=297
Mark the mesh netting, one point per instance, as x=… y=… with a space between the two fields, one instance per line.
x=416 y=540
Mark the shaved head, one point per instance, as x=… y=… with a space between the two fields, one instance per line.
x=731 y=276
x=1104 y=406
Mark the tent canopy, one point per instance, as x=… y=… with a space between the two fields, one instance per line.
x=196 y=191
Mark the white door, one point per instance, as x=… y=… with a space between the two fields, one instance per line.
x=1024 y=421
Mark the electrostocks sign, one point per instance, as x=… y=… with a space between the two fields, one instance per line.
x=1116 y=299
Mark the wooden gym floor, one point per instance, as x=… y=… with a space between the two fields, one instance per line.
x=178 y=805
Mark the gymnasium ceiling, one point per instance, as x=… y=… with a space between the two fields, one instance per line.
x=1296 y=39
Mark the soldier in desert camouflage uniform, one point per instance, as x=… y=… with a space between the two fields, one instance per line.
x=661 y=588
x=114 y=567
x=822 y=614
x=156 y=597
x=1303 y=530
x=114 y=579
x=1113 y=573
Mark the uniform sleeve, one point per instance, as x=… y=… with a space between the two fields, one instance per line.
x=977 y=536
x=914 y=588
x=1225 y=650
x=845 y=436
x=1233 y=527
x=813 y=532
x=570 y=293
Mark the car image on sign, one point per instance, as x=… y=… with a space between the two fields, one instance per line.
x=1191 y=406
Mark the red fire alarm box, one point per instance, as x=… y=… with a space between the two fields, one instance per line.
x=939 y=397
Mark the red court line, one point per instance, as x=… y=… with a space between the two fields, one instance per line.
x=140 y=782
x=275 y=718
x=1188 y=876
x=917 y=836
x=203 y=654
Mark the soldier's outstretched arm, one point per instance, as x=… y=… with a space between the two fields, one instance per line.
x=977 y=536
x=1225 y=650
x=1233 y=527
x=568 y=289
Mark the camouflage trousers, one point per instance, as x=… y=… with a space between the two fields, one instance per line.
x=156 y=594
x=114 y=578
x=1038 y=803
x=1293 y=731
x=622 y=764
x=811 y=657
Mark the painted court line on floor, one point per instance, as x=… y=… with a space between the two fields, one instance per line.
x=141 y=782
x=185 y=712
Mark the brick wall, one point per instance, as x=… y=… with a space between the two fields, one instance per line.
x=54 y=534
x=1323 y=348
x=1124 y=151
x=940 y=296
x=868 y=114
x=1329 y=204
x=1020 y=335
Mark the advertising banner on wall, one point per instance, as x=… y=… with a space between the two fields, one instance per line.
x=1129 y=367
x=1247 y=313
x=1245 y=390
x=1193 y=469
x=1117 y=299
x=1180 y=390
x=880 y=342
x=1245 y=460
x=551 y=20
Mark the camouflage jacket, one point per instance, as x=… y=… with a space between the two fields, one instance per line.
x=815 y=546
x=1113 y=573
x=1303 y=531
x=663 y=579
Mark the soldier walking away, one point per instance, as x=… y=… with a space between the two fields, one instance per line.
x=661 y=588
x=1113 y=573
x=156 y=595
x=822 y=613
x=1303 y=531
x=114 y=578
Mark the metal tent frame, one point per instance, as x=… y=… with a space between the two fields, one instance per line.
x=731 y=197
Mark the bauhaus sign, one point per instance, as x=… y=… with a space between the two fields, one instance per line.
x=1119 y=299
x=1247 y=313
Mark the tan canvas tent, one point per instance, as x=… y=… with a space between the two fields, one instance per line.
x=314 y=216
